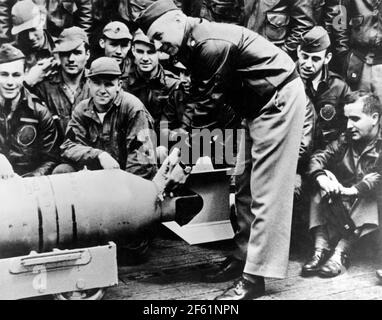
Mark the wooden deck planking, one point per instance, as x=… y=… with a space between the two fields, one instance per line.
x=174 y=269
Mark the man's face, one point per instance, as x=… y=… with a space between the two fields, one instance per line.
x=145 y=57
x=311 y=64
x=74 y=62
x=11 y=79
x=34 y=37
x=116 y=49
x=359 y=124
x=169 y=31
x=104 y=89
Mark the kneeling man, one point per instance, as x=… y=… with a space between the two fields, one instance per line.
x=347 y=173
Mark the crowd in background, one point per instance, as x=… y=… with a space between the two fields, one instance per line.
x=82 y=86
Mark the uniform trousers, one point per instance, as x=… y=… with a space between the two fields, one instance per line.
x=265 y=179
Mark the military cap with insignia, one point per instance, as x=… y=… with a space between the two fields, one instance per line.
x=315 y=40
x=153 y=12
x=104 y=66
x=9 y=53
x=70 y=39
x=116 y=31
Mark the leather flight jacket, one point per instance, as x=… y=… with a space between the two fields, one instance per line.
x=329 y=106
x=232 y=65
x=359 y=41
x=282 y=21
x=351 y=168
x=124 y=134
x=28 y=136
x=54 y=92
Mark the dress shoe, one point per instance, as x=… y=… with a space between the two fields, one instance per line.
x=336 y=265
x=230 y=269
x=379 y=274
x=244 y=289
x=315 y=262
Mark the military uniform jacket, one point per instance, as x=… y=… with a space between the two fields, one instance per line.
x=282 y=21
x=233 y=65
x=350 y=168
x=53 y=93
x=28 y=137
x=124 y=134
x=363 y=30
x=161 y=95
x=329 y=106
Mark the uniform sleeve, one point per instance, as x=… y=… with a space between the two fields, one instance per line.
x=208 y=80
x=371 y=182
x=322 y=159
x=49 y=149
x=302 y=20
x=77 y=145
x=174 y=114
x=141 y=158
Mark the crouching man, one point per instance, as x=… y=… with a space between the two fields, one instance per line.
x=347 y=173
x=28 y=135
x=111 y=129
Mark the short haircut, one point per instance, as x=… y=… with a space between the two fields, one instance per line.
x=371 y=102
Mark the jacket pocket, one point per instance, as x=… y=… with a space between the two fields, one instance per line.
x=354 y=69
x=276 y=26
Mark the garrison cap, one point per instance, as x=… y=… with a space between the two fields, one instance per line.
x=9 y=53
x=139 y=36
x=104 y=66
x=25 y=15
x=116 y=31
x=153 y=12
x=70 y=39
x=315 y=40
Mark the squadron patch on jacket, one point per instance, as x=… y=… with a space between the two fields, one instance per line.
x=26 y=135
x=328 y=112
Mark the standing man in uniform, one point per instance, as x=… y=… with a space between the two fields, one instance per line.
x=325 y=88
x=261 y=83
x=69 y=86
x=28 y=136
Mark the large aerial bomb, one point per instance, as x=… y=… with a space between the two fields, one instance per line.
x=88 y=208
